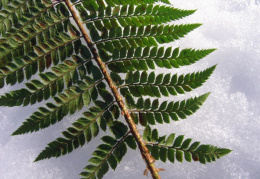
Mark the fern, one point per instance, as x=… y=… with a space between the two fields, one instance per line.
x=171 y=148
x=100 y=57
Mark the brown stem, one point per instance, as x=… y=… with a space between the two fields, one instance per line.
x=142 y=147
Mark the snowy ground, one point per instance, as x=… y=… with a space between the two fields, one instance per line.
x=229 y=118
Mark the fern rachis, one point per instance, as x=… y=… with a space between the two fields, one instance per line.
x=100 y=56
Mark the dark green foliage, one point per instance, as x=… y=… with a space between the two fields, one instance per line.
x=33 y=42
x=177 y=148
x=151 y=112
x=110 y=152
x=133 y=59
x=42 y=47
x=144 y=84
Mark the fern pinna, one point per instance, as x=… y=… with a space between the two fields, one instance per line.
x=100 y=56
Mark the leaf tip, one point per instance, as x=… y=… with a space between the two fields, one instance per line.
x=17 y=132
x=38 y=158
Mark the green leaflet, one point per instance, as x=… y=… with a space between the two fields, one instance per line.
x=83 y=130
x=153 y=111
x=41 y=25
x=125 y=60
x=22 y=68
x=144 y=36
x=134 y=15
x=43 y=46
x=178 y=149
x=95 y=6
x=143 y=84
x=110 y=153
x=160 y=33
x=69 y=102
x=52 y=83
x=18 y=9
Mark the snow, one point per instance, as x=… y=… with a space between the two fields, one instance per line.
x=229 y=118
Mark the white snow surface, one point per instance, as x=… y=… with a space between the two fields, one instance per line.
x=229 y=118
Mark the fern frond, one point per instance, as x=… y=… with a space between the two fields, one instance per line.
x=94 y=55
x=110 y=153
x=144 y=36
x=68 y=70
x=150 y=112
x=130 y=15
x=21 y=68
x=42 y=49
x=14 y=10
x=145 y=84
x=95 y=9
x=47 y=23
x=22 y=40
x=176 y=148
x=94 y=5
x=125 y=60
x=46 y=17
x=70 y=101
x=83 y=130
x=51 y=83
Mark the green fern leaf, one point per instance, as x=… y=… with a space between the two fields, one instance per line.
x=100 y=56
x=82 y=131
x=179 y=149
x=151 y=111
x=144 y=36
x=128 y=15
x=125 y=60
x=111 y=152
x=146 y=84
